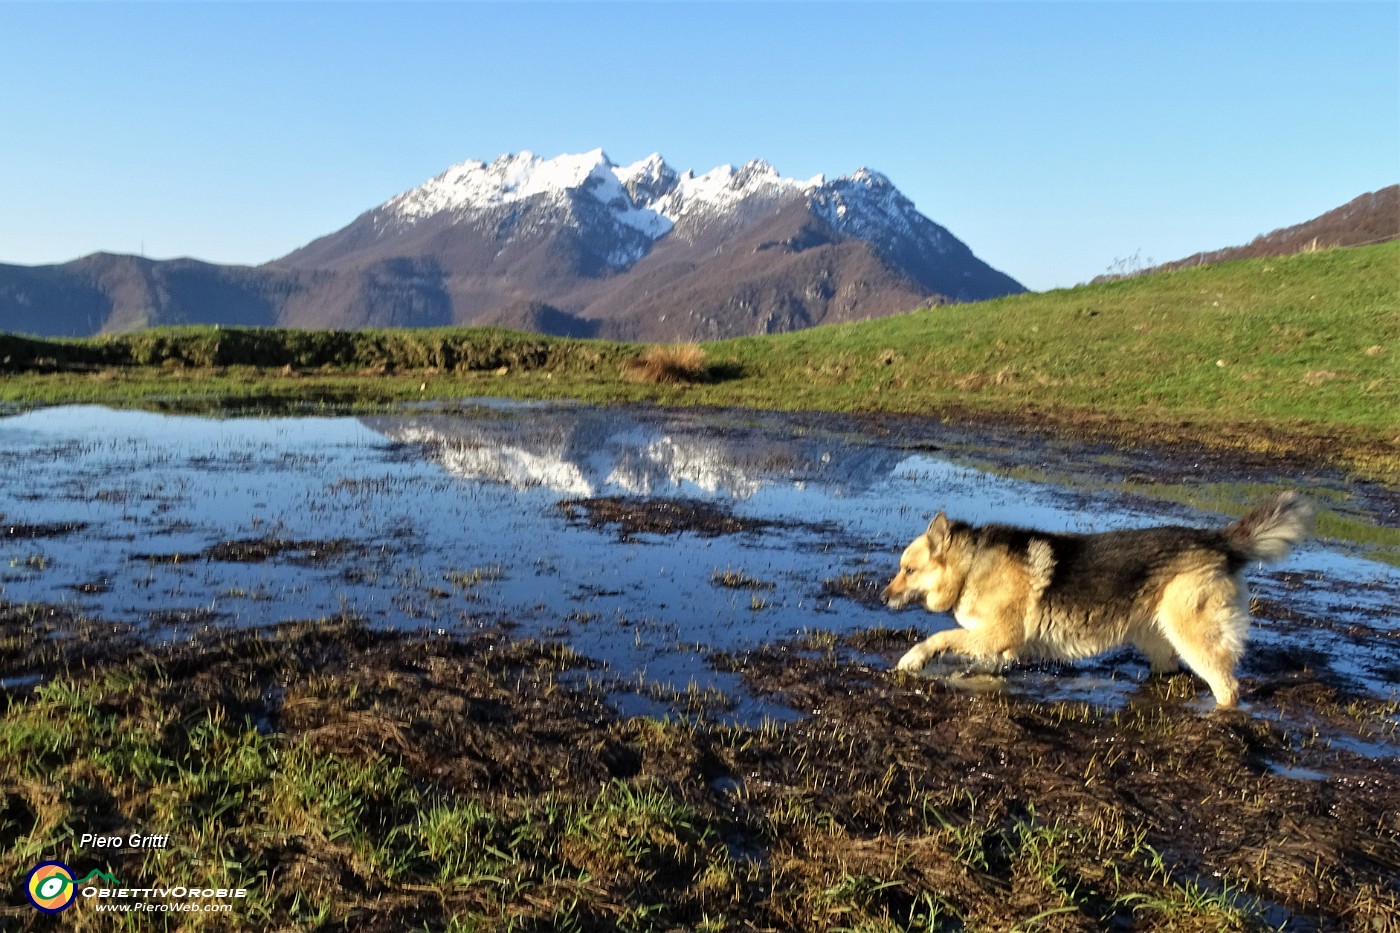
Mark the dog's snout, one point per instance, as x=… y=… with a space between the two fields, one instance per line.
x=892 y=599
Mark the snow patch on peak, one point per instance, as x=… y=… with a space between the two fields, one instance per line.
x=474 y=184
x=647 y=195
x=652 y=168
x=646 y=183
x=869 y=177
x=722 y=188
x=867 y=206
x=607 y=188
x=647 y=199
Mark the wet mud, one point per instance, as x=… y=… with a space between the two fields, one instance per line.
x=862 y=587
x=40 y=642
x=631 y=517
x=889 y=798
x=258 y=550
x=41 y=530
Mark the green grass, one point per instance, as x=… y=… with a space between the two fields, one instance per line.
x=1266 y=354
x=1151 y=345
x=1277 y=354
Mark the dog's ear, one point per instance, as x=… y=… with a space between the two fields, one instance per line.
x=939 y=534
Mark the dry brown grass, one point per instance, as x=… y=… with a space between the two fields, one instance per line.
x=674 y=364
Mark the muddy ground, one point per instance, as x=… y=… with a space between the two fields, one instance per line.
x=892 y=803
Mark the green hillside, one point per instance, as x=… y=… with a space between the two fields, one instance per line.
x=1293 y=353
x=1311 y=337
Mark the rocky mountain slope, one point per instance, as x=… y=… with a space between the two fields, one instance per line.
x=572 y=245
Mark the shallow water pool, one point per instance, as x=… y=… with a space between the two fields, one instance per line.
x=453 y=522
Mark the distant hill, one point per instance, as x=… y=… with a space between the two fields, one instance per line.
x=1374 y=217
x=571 y=246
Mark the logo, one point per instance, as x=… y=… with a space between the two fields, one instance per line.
x=50 y=887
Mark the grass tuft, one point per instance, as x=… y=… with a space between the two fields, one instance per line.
x=676 y=364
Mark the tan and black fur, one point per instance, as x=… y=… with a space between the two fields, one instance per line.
x=1178 y=594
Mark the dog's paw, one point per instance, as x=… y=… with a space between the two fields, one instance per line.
x=912 y=662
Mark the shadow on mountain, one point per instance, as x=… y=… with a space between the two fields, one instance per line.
x=540 y=318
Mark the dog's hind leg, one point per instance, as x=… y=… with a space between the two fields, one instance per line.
x=1161 y=656
x=1216 y=666
x=1205 y=617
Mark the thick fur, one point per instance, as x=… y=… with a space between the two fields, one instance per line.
x=1178 y=594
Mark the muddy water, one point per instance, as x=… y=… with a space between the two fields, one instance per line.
x=646 y=540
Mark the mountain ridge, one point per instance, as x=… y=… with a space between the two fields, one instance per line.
x=575 y=245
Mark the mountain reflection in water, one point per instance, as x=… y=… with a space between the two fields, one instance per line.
x=591 y=451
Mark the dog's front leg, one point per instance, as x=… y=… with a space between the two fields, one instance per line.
x=990 y=644
x=919 y=655
x=953 y=640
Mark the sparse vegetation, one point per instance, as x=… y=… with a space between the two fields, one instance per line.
x=862 y=586
x=739 y=580
x=470 y=579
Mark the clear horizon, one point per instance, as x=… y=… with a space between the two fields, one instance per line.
x=1053 y=138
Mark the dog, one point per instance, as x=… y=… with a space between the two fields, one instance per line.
x=1177 y=594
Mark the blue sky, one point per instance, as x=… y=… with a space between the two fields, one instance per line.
x=1052 y=138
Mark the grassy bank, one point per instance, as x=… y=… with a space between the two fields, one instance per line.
x=1291 y=355
x=353 y=780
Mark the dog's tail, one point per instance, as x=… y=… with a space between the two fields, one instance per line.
x=1275 y=526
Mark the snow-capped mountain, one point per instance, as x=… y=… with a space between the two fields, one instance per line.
x=622 y=211
x=647 y=196
x=578 y=244
x=574 y=245
x=579 y=188
x=645 y=201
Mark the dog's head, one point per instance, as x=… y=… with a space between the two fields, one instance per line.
x=930 y=569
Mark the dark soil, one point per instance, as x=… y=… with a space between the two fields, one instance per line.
x=260 y=550
x=862 y=587
x=1095 y=449
x=38 y=642
x=1213 y=792
x=894 y=802
x=41 y=530
x=659 y=516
